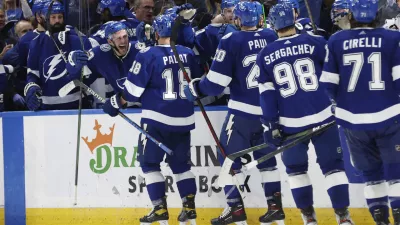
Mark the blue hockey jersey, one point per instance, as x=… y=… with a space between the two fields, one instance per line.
x=155 y=78
x=288 y=83
x=207 y=39
x=99 y=38
x=47 y=67
x=104 y=63
x=234 y=65
x=361 y=73
x=304 y=25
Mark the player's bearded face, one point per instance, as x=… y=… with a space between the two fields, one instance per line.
x=57 y=23
x=120 y=42
x=228 y=15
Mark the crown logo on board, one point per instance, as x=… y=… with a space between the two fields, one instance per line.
x=100 y=138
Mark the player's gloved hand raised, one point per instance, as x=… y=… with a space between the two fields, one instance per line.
x=141 y=34
x=192 y=91
x=187 y=15
x=272 y=134
x=78 y=58
x=112 y=105
x=32 y=94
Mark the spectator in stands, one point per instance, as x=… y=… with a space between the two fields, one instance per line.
x=17 y=10
x=2 y=18
x=144 y=10
x=22 y=27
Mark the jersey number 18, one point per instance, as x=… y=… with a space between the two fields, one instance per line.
x=168 y=75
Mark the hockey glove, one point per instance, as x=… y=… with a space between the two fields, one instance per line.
x=192 y=91
x=186 y=12
x=141 y=34
x=272 y=134
x=19 y=101
x=32 y=94
x=78 y=59
x=112 y=105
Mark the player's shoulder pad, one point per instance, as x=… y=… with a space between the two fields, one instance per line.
x=105 y=47
x=185 y=49
x=198 y=32
x=28 y=37
x=144 y=50
x=337 y=34
x=226 y=36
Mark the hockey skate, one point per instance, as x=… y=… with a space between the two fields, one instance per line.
x=188 y=214
x=380 y=218
x=159 y=214
x=343 y=217
x=230 y=215
x=275 y=212
x=308 y=216
x=396 y=216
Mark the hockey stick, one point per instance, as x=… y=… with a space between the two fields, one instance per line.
x=231 y=158
x=174 y=37
x=315 y=131
x=78 y=139
x=76 y=83
x=311 y=17
x=309 y=134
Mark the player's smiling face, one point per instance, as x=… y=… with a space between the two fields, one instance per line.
x=120 y=42
x=228 y=15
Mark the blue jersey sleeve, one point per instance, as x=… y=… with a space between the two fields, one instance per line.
x=268 y=98
x=220 y=75
x=33 y=62
x=12 y=57
x=330 y=75
x=138 y=76
x=186 y=36
x=396 y=68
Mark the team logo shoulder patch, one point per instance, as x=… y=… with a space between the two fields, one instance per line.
x=140 y=45
x=226 y=36
x=105 y=47
x=145 y=50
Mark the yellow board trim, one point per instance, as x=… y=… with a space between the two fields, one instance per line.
x=117 y=216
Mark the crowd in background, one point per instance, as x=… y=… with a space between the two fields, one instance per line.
x=16 y=19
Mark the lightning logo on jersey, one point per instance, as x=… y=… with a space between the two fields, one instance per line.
x=56 y=66
x=143 y=138
x=228 y=128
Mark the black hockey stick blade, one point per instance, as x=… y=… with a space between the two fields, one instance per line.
x=316 y=131
x=264 y=145
x=229 y=160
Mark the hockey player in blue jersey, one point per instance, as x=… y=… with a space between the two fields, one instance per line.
x=113 y=10
x=51 y=64
x=291 y=102
x=157 y=80
x=114 y=59
x=234 y=66
x=361 y=74
x=186 y=34
x=340 y=14
x=207 y=39
x=303 y=25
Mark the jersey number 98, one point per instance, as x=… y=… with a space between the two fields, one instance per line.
x=304 y=70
